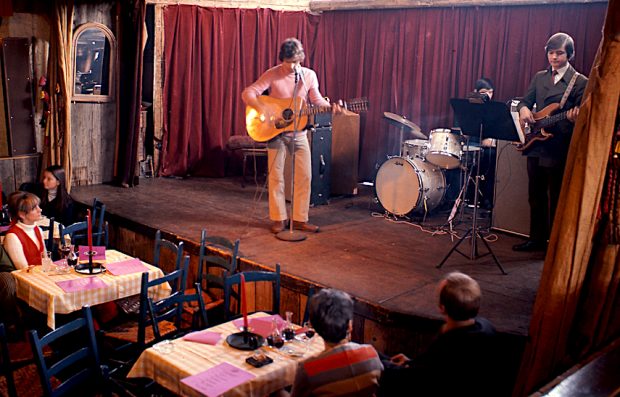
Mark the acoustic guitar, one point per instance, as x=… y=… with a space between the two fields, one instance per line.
x=535 y=132
x=262 y=129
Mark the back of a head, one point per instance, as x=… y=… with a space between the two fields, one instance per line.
x=561 y=40
x=330 y=313
x=460 y=296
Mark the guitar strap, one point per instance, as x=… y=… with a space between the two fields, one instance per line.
x=571 y=84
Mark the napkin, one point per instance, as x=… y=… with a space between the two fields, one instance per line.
x=128 y=266
x=206 y=337
x=81 y=284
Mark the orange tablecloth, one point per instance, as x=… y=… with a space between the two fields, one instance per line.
x=190 y=358
x=41 y=292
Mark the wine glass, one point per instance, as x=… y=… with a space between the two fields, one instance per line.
x=288 y=331
x=65 y=250
x=72 y=256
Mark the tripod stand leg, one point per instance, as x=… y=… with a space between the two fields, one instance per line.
x=453 y=249
x=499 y=265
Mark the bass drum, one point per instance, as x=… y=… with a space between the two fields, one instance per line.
x=405 y=185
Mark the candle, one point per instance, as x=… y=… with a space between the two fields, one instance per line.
x=89 y=232
x=244 y=307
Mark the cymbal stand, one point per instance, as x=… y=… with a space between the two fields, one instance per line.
x=293 y=235
x=474 y=231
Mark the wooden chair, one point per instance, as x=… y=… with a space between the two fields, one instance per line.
x=253 y=277
x=306 y=317
x=207 y=262
x=135 y=335
x=49 y=242
x=78 y=233
x=98 y=213
x=18 y=373
x=79 y=369
x=175 y=250
x=6 y=368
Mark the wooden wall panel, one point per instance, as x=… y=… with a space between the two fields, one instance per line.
x=4 y=141
x=16 y=170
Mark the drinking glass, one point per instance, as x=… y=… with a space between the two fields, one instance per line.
x=46 y=262
x=65 y=250
x=72 y=258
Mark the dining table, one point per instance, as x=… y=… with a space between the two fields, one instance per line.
x=56 y=292
x=185 y=364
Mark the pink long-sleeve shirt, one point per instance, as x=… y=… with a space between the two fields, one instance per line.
x=281 y=84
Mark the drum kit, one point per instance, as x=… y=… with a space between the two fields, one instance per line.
x=414 y=181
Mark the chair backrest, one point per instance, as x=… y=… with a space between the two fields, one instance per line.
x=76 y=232
x=206 y=260
x=49 y=242
x=146 y=317
x=5 y=366
x=78 y=368
x=306 y=317
x=98 y=214
x=171 y=309
x=174 y=249
x=253 y=277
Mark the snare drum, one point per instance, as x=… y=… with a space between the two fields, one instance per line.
x=415 y=148
x=404 y=185
x=444 y=149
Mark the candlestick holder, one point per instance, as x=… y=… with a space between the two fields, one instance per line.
x=90 y=267
x=245 y=340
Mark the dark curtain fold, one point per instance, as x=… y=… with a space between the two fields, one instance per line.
x=409 y=61
x=131 y=50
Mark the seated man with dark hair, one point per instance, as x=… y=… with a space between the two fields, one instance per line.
x=462 y=361
x=344 y=368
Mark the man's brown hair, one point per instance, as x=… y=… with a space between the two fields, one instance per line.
x=460 y=296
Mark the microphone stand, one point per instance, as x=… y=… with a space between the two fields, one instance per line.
x=290 y=234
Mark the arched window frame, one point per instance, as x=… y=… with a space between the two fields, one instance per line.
x=110 y=97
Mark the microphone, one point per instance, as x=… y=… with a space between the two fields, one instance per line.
x=297 y=69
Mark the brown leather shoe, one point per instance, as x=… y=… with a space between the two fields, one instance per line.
x=305 y=226
x=278 y=226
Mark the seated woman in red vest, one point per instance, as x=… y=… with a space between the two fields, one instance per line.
x=23 y=242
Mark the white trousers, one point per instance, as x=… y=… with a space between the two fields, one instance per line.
x=277 y=150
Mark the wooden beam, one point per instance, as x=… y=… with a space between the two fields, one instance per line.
x=334 y=5
x=283 y=5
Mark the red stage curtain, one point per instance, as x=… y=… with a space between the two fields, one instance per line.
x=409 y=62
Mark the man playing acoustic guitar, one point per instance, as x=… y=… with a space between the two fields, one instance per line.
x=282 y=81
x=556 y=92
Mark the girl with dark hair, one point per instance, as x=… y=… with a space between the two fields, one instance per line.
x=55 y=200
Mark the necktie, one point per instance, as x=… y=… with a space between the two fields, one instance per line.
x=553 y=74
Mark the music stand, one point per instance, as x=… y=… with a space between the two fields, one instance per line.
x=484 y=119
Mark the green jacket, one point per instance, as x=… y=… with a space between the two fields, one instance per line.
x=6 y=265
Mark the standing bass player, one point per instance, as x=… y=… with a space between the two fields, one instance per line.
x=556 y=92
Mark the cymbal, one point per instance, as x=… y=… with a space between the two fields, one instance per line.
x=401 y=121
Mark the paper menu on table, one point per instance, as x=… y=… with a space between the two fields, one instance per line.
x=127 y=266
x=217 y=380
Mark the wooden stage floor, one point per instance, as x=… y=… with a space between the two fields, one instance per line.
x=389 y=264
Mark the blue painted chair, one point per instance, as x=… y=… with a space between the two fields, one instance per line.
x=6 y=369
x=78 y=233
x=49 y=242
x=79 y=369
x=163 y=248
x=134 y=336
x=306 y=317
x=211 y=268
x=252 y=277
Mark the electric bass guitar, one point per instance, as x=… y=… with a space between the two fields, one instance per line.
x=262 y=128
x=535 y=132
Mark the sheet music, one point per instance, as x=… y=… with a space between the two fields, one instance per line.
x=515 y=119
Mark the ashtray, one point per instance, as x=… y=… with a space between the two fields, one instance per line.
x=83 y=268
